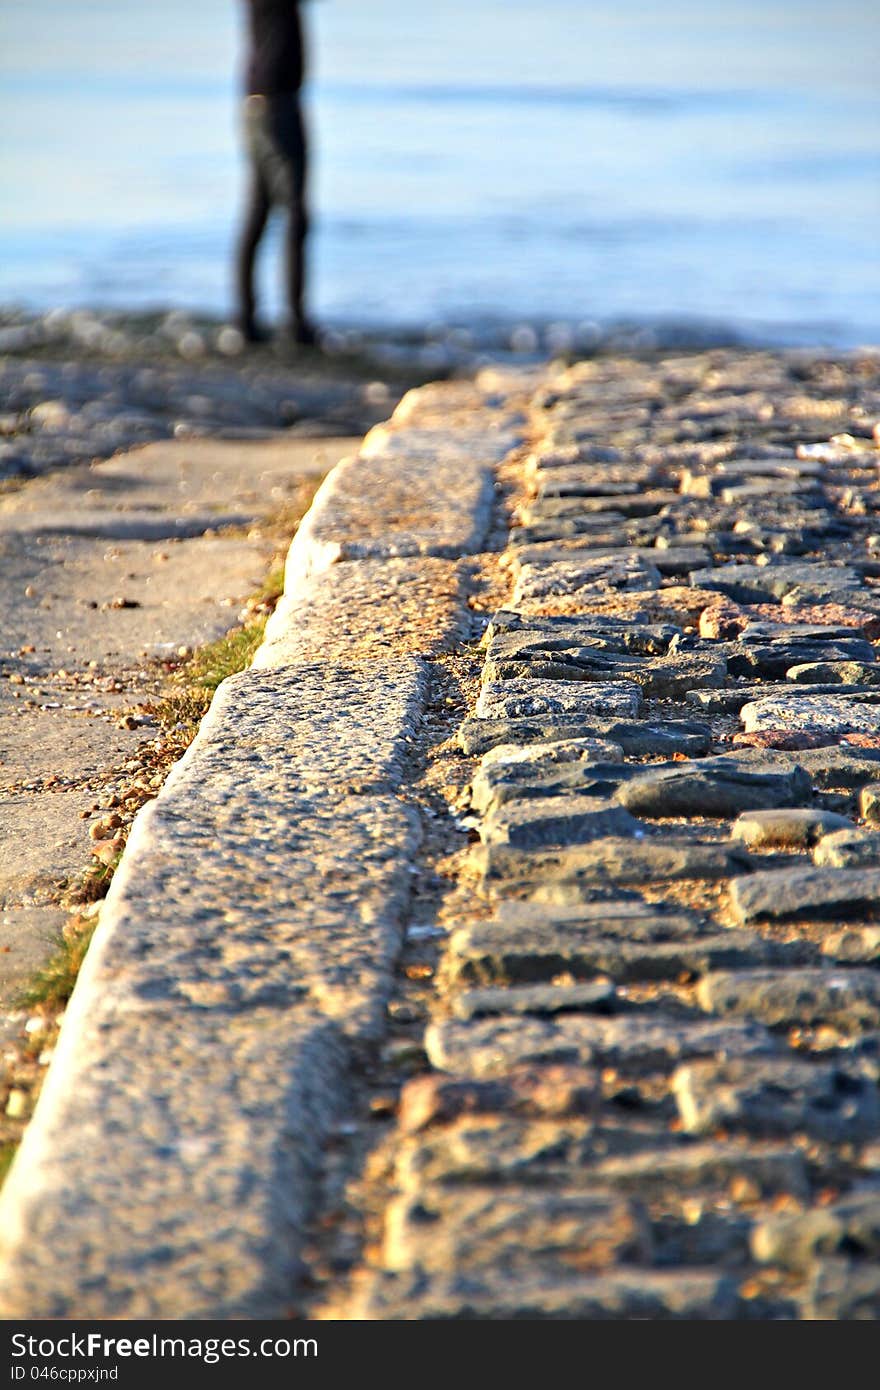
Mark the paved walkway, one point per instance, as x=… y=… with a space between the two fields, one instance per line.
x=653 y=1061
x=641 y=1028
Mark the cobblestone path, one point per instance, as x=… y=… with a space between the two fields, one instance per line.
x=651 y=1082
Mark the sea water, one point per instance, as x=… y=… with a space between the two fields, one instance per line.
x=475 y=162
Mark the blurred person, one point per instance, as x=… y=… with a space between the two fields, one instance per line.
x=276 y=147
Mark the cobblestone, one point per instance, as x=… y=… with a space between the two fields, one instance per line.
x=711 y=973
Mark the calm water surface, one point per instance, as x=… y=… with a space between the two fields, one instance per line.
x=476 y=161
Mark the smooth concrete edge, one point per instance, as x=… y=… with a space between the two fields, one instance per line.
x=38 y=1185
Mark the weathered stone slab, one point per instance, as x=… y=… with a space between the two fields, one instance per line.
x=592 y=574
x=853 y=945
x=735 y=698
x=824 y=894
x=845 y=1291
x=712 y=787
x=527 y=1093
x=787 y=829
x=382 y=503
x=775 y=1097
x=508 y=773
x=507 y=1148
x=833 y=673
x=849 y=1227
x=642 y=503
x=837 y=714
x=848 y=849
x=368 y=608
x=555 y=820
x=578 y=480
x=652 y=738
x=516 y=699
x=659 y=1172
x=206 y=1042
x=775 y=659
x=662 y=677
x=678 y=560
x=596 y=630
x=540 y=1001
x=827 y=768
x=768 y=583
x=610 y=939
x=848 y=1000
x=621 y=1295
x=571 y=875
x=636 y=1043
x=609 y=526
x=763 y=633
x=482 y=1231
x=511 y=657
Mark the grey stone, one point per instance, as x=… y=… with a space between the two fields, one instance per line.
x=660 y=676
x=642 y=503
x=593 y=574
x=775 y=1097
x=854 y=945
x=673 y=676
x=762 y=633
x=206 y=1042
x=869 y=803
x=498 y=1234
x=621 y=1295
x=658 y=1172
x=502 y=1149
x=829 y=768
x=833 y=714
x=839 y=767
x=843 y=1290
x=775 y=659
x=637 y=1043
x=555 y=820
x=637 y=740
x=712 y=787
x=734 y=698
x=623 y=940
x=576 y=481
x=554 y=550
x=808 y=893
x=432 y=1101
x=607 y=526
x=849 y=1227
x=508 y=773
x=596 y=630
x=768 y=583
x=571 y=875
x=848 y=1000
x=848 y=849
x=687 y=1233
x=533 y=662
x=513 y=699
x=659 y=739
x=794 y=829
x=831 y=672
x=539 y=1000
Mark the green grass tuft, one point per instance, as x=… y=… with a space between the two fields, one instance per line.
x=8 y=1151
x=51 y=987
x=210 y=665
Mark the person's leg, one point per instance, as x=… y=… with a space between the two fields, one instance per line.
x=292 y=143
x=256 y=215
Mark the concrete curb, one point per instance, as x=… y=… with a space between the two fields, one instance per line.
x=245 y=951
